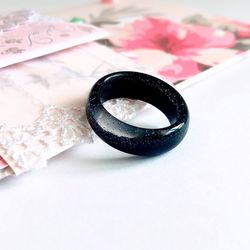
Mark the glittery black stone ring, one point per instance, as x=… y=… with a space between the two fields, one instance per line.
x=128 y=138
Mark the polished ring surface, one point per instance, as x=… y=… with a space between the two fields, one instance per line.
x=128 y=138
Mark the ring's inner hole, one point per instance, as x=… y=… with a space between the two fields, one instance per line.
x=146 y=116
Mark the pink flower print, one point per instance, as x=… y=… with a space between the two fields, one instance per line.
x=176 y=39
x=179 y=70
x=240 y=29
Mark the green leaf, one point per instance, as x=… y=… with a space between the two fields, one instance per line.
x=196 y=19
x=243 y=45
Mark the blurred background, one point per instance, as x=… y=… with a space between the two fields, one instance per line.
x=235 y=9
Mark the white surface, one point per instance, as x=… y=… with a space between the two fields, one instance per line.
x=195 y=197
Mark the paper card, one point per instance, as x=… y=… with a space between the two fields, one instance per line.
x=180 y=43
x=48 y=114
x=25 y=35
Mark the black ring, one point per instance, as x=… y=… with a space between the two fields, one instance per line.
x=128 y=138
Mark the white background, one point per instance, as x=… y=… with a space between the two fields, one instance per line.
x=195 y=197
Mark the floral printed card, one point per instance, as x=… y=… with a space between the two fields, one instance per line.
x=177 y=42
x=25 y=35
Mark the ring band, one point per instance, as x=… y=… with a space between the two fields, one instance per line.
x=128 y=138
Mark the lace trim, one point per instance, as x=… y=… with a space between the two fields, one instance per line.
x=27 y=147
x=16 y=19
x=124 y=109
x=6 y=172
x=57 y=129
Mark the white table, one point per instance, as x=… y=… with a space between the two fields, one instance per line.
x=194 y=198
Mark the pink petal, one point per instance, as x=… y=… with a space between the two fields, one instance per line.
x=109 y=1
x=179 y=70
x=176 y=39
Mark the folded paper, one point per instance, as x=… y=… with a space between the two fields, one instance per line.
x=26 y=34
x=47 y=113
